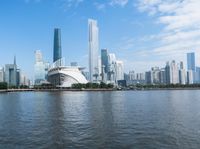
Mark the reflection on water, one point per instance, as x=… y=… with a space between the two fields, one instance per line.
x=138 y=119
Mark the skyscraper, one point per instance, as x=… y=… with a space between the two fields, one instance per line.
x=174 y=73
x=119 y=70
x=167 y=73
x=11 y=75
x=39 y=68
x=93 y=50
x=1 y=74
x=104 y=64
x=57 y=51
x=182 y=74
x=191 y=61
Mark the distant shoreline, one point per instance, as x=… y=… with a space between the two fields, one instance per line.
x=104 y=90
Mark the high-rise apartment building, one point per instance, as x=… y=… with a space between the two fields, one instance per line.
x=93 y=50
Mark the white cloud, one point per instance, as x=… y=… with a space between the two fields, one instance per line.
x=71 y=3
x=121 y=3
x=181 y=32
x=100 y=6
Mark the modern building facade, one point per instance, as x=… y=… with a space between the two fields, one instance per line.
x=190 y=79
x=191 y=61
x=93 y=50
x=174 y=73
x=65 y=76
x=57 y=51
x=39 y=68
x=60 y=75
x=104 y=64
x=1 y=74
x=119 y=70
x=11 y=74
x=182 y=74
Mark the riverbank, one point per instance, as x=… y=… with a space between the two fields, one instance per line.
x=75 y=90
x=52 y=90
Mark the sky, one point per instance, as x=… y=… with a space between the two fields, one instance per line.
x=142 y=33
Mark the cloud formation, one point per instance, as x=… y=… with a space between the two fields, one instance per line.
x=181 y=21
x=121 y=3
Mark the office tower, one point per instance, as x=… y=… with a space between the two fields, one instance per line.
x=1 y=74
x=140 y=77
x=167 y=73
x=11 y=74
x=197 y=75
x=99 y=68
x=162 y=76
x=39 y=68
x=181 y=65
x=104 y=64
x=46 y=69
x=191 y=64
x=18 y=76
x=149 y=77
x=174 y=73
x=119 y=70
x=24 y=80
x=155 y=75
x=93 y=50
x=191 y=61
x=57 y=51
x=131 y=76
x=182 y=74
x=190 y=74
x=112 y=68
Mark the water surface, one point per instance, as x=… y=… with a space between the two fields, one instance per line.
x=132 y=119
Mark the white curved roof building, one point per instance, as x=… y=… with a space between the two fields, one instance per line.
x=64 y=76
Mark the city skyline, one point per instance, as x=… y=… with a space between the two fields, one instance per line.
x=32 y=31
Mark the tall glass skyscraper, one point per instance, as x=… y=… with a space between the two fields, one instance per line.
x=93 y=50
x=191 y=61
x=57 y=51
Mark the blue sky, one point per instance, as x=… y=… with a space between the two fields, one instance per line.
x=142 y=33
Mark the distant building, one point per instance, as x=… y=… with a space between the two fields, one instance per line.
x=182 y=74
x=131 y=75
x=60 y=75
x=119 y=70
x=190 y=74
x=74 y=64
x=104 y=64
x=167 y=73
x=149 y=77
x=112 y=68
x=162 y=76
x=191 y=64
x=174 y=73
x=57 y=52
x=1 y=74
x=197 y=75
x=11 y=74
x=155 y=75
x=39 y=68
x=191 y=61
x=93 y=50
